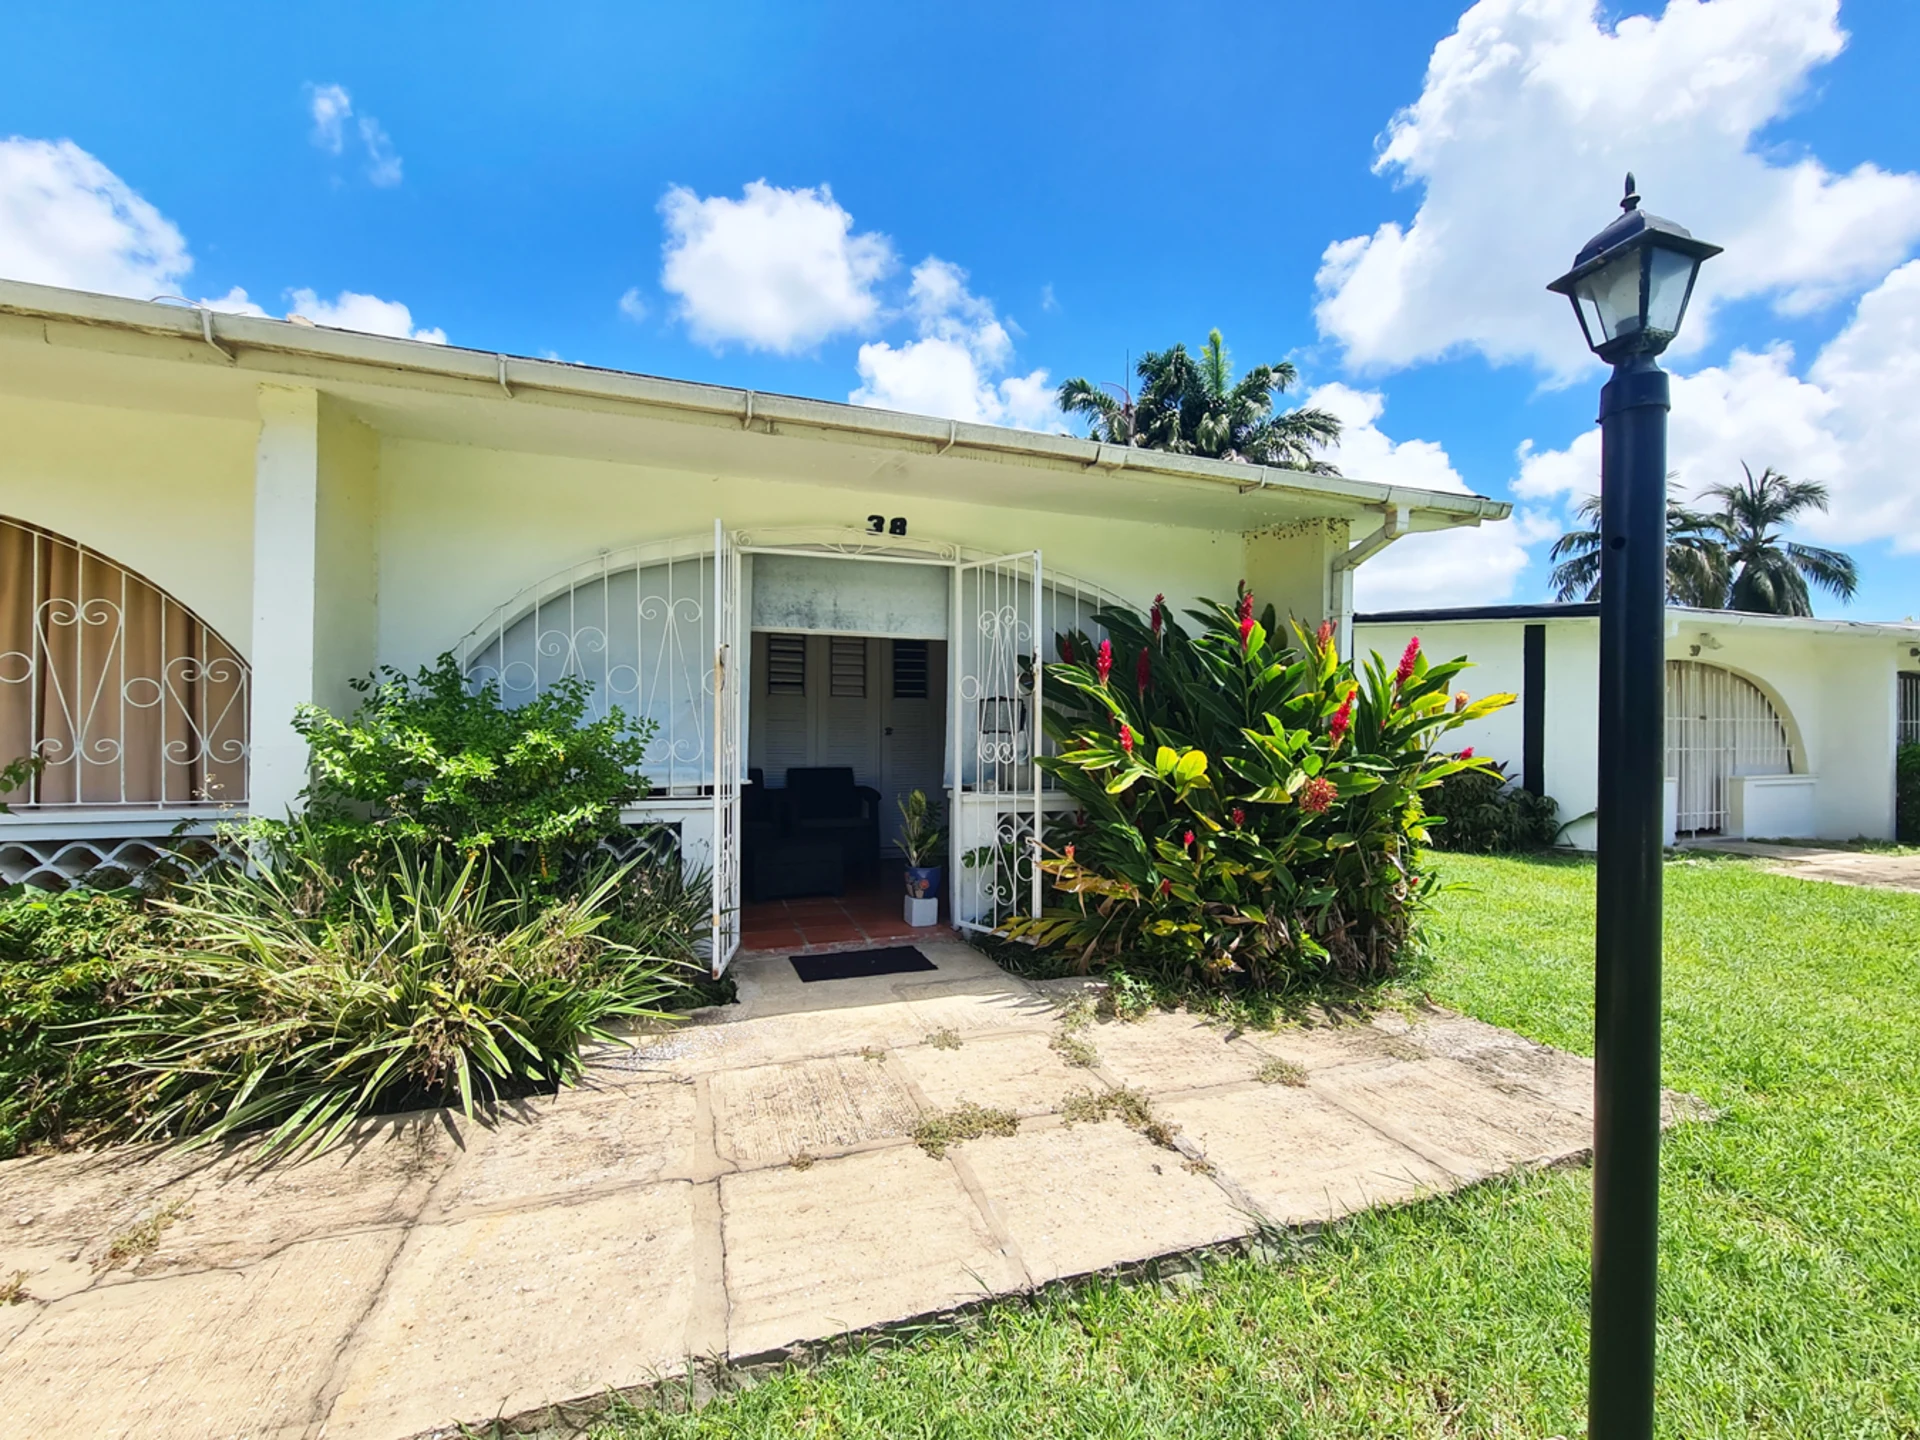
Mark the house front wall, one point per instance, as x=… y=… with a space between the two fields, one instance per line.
x=463 y=529
x=1834 y=692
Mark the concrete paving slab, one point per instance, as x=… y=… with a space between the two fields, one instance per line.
x=221 y=1353
x=769 y=1114
x=1080 y=1198
x=231 y=1208
x=1162 y=1052
x=1875 y=869
x=575 y=1142
x=736 y=1044
x=1456 y=1118
x=1298 y=1156
x=506 y=1313
x=1018 y=1072
x=880 y=1236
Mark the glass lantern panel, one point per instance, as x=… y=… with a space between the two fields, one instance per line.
x=1668 y=278
x=1611 y=295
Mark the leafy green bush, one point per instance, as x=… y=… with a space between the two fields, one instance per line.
x=433 y=760
x=1246 y=809
x=65 y=959
x=1906 y=805
x=296 y=998
x=1485 y=813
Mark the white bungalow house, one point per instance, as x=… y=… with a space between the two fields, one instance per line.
x=1776 y=727
x=206 y=520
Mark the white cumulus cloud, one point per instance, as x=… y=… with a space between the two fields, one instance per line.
x=1851 y=423
x=950 y=369
x=331 y=107
x=1466 y=566
x=66 y=219
x=1531 y=112
x=776 y=269
x=633 y=306
x=366 y=313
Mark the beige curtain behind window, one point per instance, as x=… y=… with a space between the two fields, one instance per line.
x=124 y=693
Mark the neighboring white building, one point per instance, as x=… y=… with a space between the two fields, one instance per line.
x=208 y=520
x=1776 y=727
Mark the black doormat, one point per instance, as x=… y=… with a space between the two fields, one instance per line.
x=857 y=964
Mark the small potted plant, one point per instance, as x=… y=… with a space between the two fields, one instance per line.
x=921 y=837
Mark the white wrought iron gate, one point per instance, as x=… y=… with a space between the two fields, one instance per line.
x=1719 y=725
x=994 y=809
x=729 y=681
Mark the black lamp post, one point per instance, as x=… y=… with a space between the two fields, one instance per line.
x=1629 y=286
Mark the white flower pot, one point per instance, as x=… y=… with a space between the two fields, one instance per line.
x=923 y=912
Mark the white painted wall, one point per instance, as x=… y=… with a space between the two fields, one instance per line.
x=462 y=529
x=164 y=494
x=1835 y=691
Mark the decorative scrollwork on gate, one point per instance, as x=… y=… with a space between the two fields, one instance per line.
x=128 y=697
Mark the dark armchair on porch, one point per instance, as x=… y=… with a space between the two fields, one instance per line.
x=824 y=804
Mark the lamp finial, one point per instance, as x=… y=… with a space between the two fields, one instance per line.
x=1632 y=198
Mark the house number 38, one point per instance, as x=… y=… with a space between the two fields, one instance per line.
x=881 y=525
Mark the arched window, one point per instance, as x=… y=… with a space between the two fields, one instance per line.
x=1719 y=725
x=127 y=696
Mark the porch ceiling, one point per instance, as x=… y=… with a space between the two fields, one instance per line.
x=65 y=345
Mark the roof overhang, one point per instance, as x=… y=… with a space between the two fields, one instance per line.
x=67 y=344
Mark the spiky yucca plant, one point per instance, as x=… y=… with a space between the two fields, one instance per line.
x=300 y=999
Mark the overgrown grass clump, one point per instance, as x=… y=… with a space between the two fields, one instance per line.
x=1790 y=1226
x=445 y=926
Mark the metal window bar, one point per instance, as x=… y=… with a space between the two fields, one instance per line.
x=156 y=718
x=636 y=627
x=1909 y=725
x=1719 y=725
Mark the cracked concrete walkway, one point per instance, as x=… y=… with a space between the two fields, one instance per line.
x=728 y=1190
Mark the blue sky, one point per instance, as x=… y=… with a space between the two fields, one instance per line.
x=1017 y=189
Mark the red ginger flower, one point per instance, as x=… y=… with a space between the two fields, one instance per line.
x=1186 y=840
x=1323 y=637
x=1166 y=887
x=1467 y=754
x=1407 y=659
x=1069 y=850
x=1459 y=701
x=1246 y=618
x=1103 y=662
x=1239 y=818
x=1318 y=794
x=1066 y=648
x=1342 y=718
x=1126 y=737
x=1158 y=615
x=1143 y=672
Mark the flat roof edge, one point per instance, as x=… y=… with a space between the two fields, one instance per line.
x=223 y=330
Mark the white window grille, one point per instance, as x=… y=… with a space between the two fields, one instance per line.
x=637 y=627
x=128 y=697
x=1909 y=707
x=1719 y=725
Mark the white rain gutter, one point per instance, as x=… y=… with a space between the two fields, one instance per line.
x=1396 y=520
x=514 y=379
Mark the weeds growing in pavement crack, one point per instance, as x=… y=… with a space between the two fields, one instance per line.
x=1280 y=1072
x=966 y=1121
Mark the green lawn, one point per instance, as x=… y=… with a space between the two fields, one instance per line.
x=1791 y=1288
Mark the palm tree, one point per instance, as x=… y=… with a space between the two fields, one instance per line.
x=1192 y=405
x=1770 y=575
x=1696 y=558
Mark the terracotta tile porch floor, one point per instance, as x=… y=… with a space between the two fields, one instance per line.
x=870 y=916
